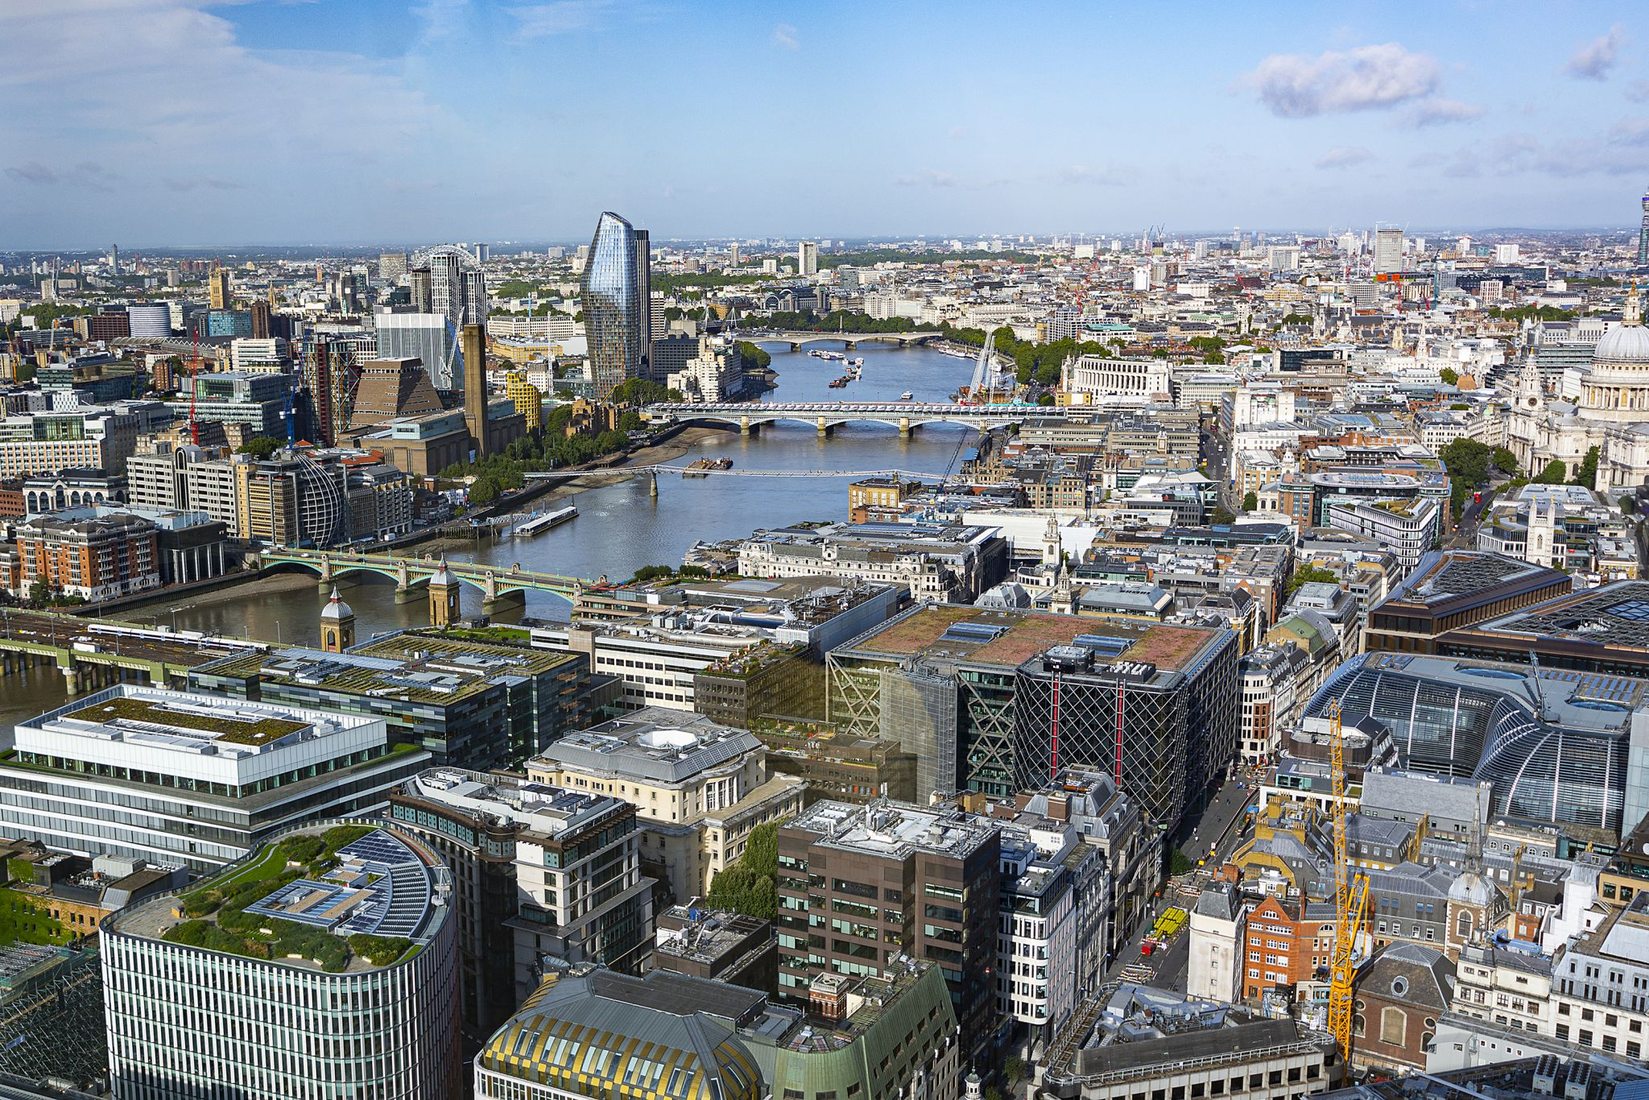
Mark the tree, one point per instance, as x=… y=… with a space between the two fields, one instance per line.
x=1586 y=474
x=484 y=490
x=747 y=884
x=1467 y=462
x=1309 y=574
x=1504 y=460
x=1554 y=473
x=261 y=446
x=1250 y=501
x=1221 y=516
x=755 y=356
x=1628 y=505
x=1449 y=376
x=639 y=391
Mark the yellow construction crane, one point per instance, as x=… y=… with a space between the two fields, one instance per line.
x=1350 y=897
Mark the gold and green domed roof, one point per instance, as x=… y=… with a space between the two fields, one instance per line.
x=596 y=1034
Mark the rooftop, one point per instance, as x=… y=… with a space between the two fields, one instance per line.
x=896 y=829
x=335 y=895
x=1613 y=617
x=417 y=668
x=653 y=743
x=538 y=807
x=1446 y=578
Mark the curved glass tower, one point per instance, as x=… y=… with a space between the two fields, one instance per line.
x=615 y=293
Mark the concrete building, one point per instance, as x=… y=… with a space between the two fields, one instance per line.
x=1218 y=935
x=699 y=788
x=360 y=979
x=1097 y=381
x=186 y=777
x=866 y=861
x=539 y=872
x=719 y=944
x=934 y=561
x=469 y=704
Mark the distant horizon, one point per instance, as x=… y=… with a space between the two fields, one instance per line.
x=839 y=242
x=324 y=123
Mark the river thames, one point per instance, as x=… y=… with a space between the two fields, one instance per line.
x=621 y=528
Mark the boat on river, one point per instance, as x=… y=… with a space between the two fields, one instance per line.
x=704 y=466
x=543 y=521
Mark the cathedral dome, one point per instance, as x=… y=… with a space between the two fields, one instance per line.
x=1626 y=344
x=1629 y=341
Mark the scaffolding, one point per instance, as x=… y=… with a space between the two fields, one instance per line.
x=51 y=1015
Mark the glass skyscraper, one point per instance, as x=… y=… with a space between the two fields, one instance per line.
x=616 y=289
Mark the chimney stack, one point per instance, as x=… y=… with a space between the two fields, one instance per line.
x=475 y=386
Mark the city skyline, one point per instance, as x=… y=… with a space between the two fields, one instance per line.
x=200 y=123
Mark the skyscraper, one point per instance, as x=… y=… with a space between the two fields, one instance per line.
x=807 y=258
x=217 y=285
x=446 y=281
x=1388 y=251
x=1643 y=235
x=616 y=291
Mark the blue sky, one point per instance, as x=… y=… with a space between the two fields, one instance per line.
x=187 y=122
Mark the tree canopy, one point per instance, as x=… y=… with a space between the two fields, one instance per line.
x=747 y=884
x=1555 y=473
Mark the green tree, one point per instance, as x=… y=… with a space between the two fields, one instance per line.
x=1449 y=376
x=483 y=491
x=1250 y=501
x=1554 y=473
x=747 y=884
x=1467 y=462
x=1178 y=862
x=639 y=391
x=1504 y=460
x=1221 y=516
x=755 y=356
x=1586 y=473
x=261 y=446
x=1309 y=574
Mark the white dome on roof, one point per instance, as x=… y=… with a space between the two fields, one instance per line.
x=1626 y=343
x=336 y=608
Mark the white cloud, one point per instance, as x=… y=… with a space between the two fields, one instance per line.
x=1438 y=111
x=534 y=21
x=1344 y=156
x=785 y=35
x=1361 y=79
x=1594 y=60
x=163 y=93
x=927 y=177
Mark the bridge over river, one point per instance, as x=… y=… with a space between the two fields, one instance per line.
x=826 y=415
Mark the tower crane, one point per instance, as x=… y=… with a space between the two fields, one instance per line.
x=1350 y=897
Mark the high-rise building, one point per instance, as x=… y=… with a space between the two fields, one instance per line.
x=473 y=340
x=1388 y=251
x=807 y=258
x=149 y=321
x=341 y=982
x=527 y=398
x=217 y=286
x=860 y=887
x=429 y=337
x=391 y=266
x=1643 y=235
x=540 y=870
x=616 y=292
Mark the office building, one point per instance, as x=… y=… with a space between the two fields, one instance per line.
x=527 y=398
x=1451 y=589
x=1551 y=742
x=217 y=288
x=429 y=337
x=1409 y=528
x=861 y=886
x=671 y=1035
x=149 y=321
x=256 y=401
x=290 y=499
x=717 y=943
x=189 y=778
x=356 y=995
x=616 y=291
x=538 y=871
x=185 y=478
x=99 y=438
x=807 y=258
x=1388 y=251
x=392 y=266
x=470 y=704
x=1099 y=381
x=699 y=788
x=1142 y=1042
x=935 y=561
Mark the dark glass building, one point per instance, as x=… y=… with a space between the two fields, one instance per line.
x=616 y=289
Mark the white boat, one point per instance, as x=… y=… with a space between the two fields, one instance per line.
x=907 y=396
x=543 y=521
x=858 y=362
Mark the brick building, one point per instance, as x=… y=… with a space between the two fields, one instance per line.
x=95 y=558
x=1285 y=943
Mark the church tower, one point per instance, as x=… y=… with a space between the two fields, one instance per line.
x=337 y=625
x=1530 y=390
x=1053 y=551
x=443 y=598
x=1542 y=536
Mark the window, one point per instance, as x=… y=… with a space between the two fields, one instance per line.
x=1393 y=1026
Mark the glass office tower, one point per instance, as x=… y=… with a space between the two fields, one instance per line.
x=615 y=290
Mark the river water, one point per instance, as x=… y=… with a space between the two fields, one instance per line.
x=621 y=528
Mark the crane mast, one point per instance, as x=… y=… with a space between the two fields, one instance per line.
x=1350 y=897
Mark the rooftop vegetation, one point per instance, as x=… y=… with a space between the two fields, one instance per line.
x=259 y=731
x=218 y=920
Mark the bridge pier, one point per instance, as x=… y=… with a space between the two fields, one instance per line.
x=746 y=428
x=825 y=430
x=409 y=593
x=852 y=345
x=514 y=598
x=652 y=484
x=71 y=678
x=905 y=427
x=795 y=345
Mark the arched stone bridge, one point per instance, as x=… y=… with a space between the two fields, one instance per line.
x=411 y=574
x=852 y=339
x=826 y=415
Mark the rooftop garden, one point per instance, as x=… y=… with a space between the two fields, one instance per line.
x=240 y=731
x=217 y=919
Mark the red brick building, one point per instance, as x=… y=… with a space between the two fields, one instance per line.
x=1285 y=943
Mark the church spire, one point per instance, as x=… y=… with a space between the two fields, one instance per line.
x=1634 y=307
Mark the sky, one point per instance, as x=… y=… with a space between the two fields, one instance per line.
x=199 y=123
